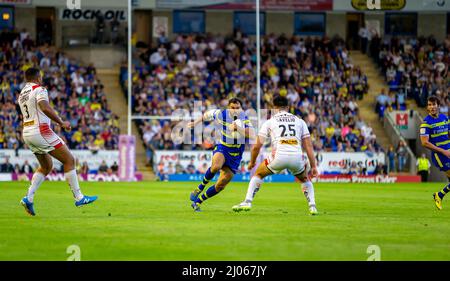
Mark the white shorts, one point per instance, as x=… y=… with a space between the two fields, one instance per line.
x=296 y=164
x=44 y=142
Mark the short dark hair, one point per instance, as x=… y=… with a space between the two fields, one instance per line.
x=235 y=100
x=433 y=99
x=280 y=101
x=32 y=73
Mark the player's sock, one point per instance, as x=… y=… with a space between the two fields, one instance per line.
x=253 y=187
x=208 y=194
x=36 y=181
x=308 y=191
x=72 y=179
x=208 y=176
x=444 y=191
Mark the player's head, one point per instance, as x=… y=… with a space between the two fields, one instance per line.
x=235 y=106
x=280 y=102
x=33 y=74
x=433 y=105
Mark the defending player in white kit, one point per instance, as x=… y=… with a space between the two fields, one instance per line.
x=288 y=134
x=43 y=142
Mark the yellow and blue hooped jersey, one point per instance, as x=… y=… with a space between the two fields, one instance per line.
x=232 y=141
x=437 y=130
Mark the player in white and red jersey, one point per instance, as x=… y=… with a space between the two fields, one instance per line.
x=288 y=135
x=37 y=134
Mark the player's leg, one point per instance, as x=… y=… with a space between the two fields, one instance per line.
x=226 y=175
x=66 y=158
x=216 y=165
x=253 y=187
x=45 y=167
x=439 y=196
x=308 y=190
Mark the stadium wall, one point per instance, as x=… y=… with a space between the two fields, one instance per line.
x=376 y=16
x=100 y=56
x=219 y=22
x=336 y=24
x=143 y=24
x=25 y=17
x=168 y=15
x=87 y=3
x=276 y=22
x=432 y=24
x=429 y=23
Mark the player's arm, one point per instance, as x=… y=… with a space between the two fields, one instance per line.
x=425 y=140
x=250 y=133
x=207 y=116
x=246 y=131
x=308 y=148
x=427 y=144
x=255 y=151
x=48 y=110
x=260 y=139
x=195 y=122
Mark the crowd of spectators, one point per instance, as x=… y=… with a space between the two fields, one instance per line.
x=396 y=158
x=75 y=92
x=414 y=68
x=178 y=168
x=316 y=75
x=103 y=169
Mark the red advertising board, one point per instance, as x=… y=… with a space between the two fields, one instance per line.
x=366 y=179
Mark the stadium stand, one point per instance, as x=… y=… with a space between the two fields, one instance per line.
x=74 y=89
x=414 y=68
x=316 y=75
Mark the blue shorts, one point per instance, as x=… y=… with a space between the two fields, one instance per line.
x=440 y=161
x=232 y=157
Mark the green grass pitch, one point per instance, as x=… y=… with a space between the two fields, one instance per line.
x=154 y=221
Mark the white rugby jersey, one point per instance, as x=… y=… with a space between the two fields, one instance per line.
x=286 y=132
x=33 y=117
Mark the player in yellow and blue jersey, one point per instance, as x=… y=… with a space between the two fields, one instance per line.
x=232 y=129
x=434 y=135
